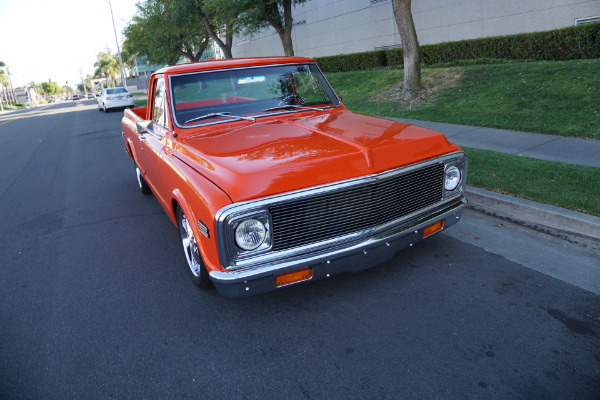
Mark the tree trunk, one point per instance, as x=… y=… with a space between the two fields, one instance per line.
x=286 y=41
x=200 y=51
x=283 y=28
x=225 y=47
x=410 y=49
x=228 y=40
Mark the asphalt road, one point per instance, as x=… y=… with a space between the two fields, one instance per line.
x=95 y=302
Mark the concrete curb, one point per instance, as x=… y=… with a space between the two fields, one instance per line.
x=575 y=227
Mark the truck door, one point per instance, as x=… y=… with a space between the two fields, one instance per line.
x=153 y=142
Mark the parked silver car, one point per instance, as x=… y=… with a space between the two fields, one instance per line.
x=116 y=97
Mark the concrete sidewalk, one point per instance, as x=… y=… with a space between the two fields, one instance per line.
x=536 y=145
x=573 y=226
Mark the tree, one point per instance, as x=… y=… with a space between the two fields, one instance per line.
x=88 y=82
x=3 y=85
x=128 y=57
x=255 y=15
x=217 y=13
x=3 y=78
x=165 y=30
x=410 y=49
x=9 y=93
x=107 y=66
x=51 y=88
x=33 y=85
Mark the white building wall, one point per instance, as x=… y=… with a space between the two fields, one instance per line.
x=329 y=27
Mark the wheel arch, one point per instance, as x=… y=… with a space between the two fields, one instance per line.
x=196 y=208
x=129 y=149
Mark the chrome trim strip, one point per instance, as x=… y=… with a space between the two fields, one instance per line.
x=226 y=217
x=203 y=229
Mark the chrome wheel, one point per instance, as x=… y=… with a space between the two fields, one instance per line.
x=143 y=185
x=139 y=176
x=196 y=267
x=190 y=248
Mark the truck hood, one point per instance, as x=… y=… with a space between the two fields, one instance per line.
x=295 y=151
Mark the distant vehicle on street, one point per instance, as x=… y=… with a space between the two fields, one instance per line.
x=75 y=97
x=116 y=97
x=90 y=96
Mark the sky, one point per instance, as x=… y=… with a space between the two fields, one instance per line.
x=43 y=40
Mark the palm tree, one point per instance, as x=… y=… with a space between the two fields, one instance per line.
x=3 y=77
x=107 y=66
x=3 y=86
x=9 y=94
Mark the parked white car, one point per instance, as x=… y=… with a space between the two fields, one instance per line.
x=116 y=97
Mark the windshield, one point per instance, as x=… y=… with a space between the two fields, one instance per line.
x=116 y=91
x=220 y=96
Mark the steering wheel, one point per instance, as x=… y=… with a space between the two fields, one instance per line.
x=295 y=96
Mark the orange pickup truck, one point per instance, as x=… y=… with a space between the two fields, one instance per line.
x=271 y=181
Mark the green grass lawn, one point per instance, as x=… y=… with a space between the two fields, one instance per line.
x=140 y=103
x=14 y=107
x=559 y=98
x=569 y=186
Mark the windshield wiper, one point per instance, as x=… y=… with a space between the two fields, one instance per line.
x=219 y=114
x=295 y=107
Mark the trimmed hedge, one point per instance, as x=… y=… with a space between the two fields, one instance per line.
x=353 y=61
x=573 y=43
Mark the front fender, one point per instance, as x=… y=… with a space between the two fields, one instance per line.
x=200 y=199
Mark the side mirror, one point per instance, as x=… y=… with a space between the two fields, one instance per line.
x=142 y=127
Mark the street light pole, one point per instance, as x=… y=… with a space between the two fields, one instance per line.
x=123 y=80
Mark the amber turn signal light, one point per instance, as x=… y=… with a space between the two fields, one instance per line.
x=293 y=277
x=431 y=229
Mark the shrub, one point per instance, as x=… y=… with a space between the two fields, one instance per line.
x=353 y=62
x=577 y=42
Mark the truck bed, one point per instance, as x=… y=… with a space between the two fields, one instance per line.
x=136 y=114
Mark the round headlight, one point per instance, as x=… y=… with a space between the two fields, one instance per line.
x=250 y=234
x=452 y=178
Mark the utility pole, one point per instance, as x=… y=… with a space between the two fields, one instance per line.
x=123 y=80
x=82 y=81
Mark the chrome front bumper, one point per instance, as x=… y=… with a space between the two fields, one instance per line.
x=349 y=257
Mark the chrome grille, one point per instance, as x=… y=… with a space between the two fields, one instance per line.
x=329 y=215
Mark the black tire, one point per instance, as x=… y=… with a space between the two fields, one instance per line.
x=105 y=109
x=196 y=268
x=143 y=185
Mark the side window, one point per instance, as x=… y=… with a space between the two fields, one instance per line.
x=159 y=116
